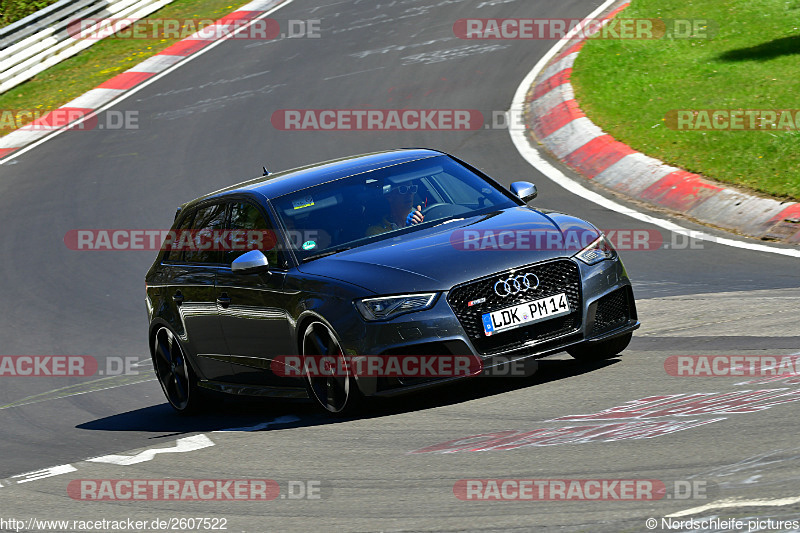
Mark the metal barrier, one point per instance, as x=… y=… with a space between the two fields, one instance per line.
x=45 y=38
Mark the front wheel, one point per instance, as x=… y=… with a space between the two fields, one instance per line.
x=600 y=350
x=175 y=374
x=336 y=394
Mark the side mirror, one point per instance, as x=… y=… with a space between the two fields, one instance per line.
x=524 y=190
x=250 y=262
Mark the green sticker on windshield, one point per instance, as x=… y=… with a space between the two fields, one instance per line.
x=309 y=245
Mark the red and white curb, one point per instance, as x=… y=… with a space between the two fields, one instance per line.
x=555 y=120
x=83 y=106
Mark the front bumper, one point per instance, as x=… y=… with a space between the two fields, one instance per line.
x=605 y=309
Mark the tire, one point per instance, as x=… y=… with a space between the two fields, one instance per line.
x=600 y=350
x=175 y=374
x=337 y=396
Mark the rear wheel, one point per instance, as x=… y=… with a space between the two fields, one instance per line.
x=337 y=394
x=600 y=350
x=175 y=374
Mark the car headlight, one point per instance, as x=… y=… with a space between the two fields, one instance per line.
x=599 y=250
x=391 y=306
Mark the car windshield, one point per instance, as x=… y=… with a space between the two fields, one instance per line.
x=352 y=211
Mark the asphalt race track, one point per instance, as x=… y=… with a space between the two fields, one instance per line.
x=207 y=125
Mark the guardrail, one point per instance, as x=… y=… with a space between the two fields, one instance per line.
x=43 y=39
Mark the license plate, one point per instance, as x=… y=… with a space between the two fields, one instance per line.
x=525 y=313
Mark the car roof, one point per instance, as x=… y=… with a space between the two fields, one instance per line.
x=287 y=181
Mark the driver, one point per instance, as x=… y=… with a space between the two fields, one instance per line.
x=401 y=210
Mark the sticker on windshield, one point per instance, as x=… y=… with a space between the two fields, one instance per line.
x=309 y=245
x=306 y=201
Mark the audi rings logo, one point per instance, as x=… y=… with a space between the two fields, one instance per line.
x=516 y=285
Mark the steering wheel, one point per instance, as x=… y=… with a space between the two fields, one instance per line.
x=431 y=207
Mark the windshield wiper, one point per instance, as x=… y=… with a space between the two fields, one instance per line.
x=326 y=253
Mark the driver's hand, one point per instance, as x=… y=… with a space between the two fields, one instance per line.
x=415 y=216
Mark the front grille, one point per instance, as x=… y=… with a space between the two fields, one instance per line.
x=554 y=277
x=613 y=310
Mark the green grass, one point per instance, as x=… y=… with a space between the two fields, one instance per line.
x=753 y=62
x=13 y=10
x=104 y=60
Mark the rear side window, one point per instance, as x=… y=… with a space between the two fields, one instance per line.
x=176 y=254
x=208 y=221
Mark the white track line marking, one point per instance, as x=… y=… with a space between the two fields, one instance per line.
x=533 y=157
x=186 y=444
x=45 y=472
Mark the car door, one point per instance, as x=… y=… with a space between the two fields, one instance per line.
x=189 y=278
x=252 y=307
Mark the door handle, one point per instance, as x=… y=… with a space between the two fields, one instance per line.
x=224 y=300
x=177 y=297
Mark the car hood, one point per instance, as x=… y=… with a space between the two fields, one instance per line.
x=455 y=251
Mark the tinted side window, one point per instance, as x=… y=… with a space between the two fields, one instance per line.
x=175 y=253
x=209 y=221
x=259 y=236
